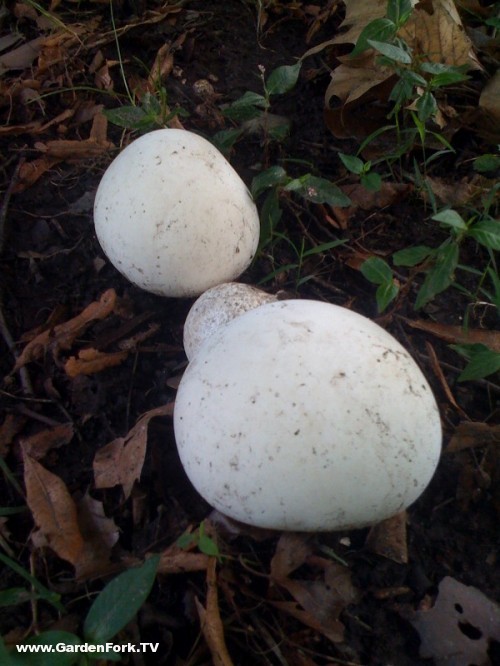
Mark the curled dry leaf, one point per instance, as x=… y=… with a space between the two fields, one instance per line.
x=175 y=560
x=63 y=335
x=211 y=623
x=456 y=334
x=471 y=434
x=120 y=462
x=89 y=361
x=38 y=445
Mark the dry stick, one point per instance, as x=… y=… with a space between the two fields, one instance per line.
x=4 y=329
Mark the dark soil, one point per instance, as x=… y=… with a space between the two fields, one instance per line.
x=52 y=267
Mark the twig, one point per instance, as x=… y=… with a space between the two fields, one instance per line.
x=4 y=329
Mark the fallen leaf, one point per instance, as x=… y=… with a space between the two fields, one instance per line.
x=388 y=194
x=100 y=534
x=489 y=105
x=472 y=434
x=11 y=426
x=211 y=623
x=388 y=538
x=89 y=361
x=54 y=510
x=291 y=552
x=63 y=335
x=175 y=560
x=22 y=56
x=120 y=462
x=37 y=446
x=457 y=631
x=456 y=334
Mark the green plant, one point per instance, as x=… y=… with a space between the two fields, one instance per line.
x=253 y=106
x=111 y=611
x=369 y=179
x=199 y=539
x=153 y=112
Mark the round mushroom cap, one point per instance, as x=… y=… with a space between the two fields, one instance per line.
x=173 y=216
x=302 y=415
x=216 y=307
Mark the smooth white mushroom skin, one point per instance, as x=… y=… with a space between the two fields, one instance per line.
x=216 y=307
x=302 y=415
x=173 y=216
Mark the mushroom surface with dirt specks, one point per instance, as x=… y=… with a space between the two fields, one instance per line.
x=302 y=415
x=173 y=216
x=216 y=307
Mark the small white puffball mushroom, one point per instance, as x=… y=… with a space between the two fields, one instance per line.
x=173 y=216
x=216 y=307
x=302 y=415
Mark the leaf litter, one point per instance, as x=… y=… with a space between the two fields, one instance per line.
x=305 y=600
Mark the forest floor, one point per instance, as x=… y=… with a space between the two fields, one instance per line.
x=353 y=598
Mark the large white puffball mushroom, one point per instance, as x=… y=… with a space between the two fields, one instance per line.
x=173 y=216
x=302 y=415
x=216 y=307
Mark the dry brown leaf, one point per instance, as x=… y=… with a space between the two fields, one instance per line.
x=175 y=560
x=11 y=426
x=89 y=361
x=210 y=619
x=434 y=361
x=388 y=194
x=334 y=632
x=63 y=335
x=489 y=104
x=456 y=334
x=22 y=56
x=388 y=538
x=120 y=462
x=38 y=445
x=471 y=434
x=292 y=550
x=100 y=534
x=54 y=511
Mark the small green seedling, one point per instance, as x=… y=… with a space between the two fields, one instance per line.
x=369 y=179
x=201 y=540
x=481 y=361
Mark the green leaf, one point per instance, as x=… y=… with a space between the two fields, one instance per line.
x=382 y=29
x=270 y=215
x=486 y=163
x=450 y=218
x=352 y=163
x=426 y=106
x=399 y=11
x=279 y=132
x=448 y=78
x=225 y=139
x=12 y=510
x=318 y=190
x=128 y=117
x=371 y=181
x=411 y=256
x=482 y=361
x=283 y=79
x=385 y=294
x=487 y=232
x=441 y=275
x=248 y=106
x=377 y=270
x=119 y=601
x=43 y=593
x=324 y=247
x=271 y=177
x=52 y=638
x=186 y=540
x=15 y=595
x=394 y=53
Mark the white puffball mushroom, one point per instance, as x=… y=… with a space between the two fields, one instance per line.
x=173 y=216
x=302 y=415
x=216 y=307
